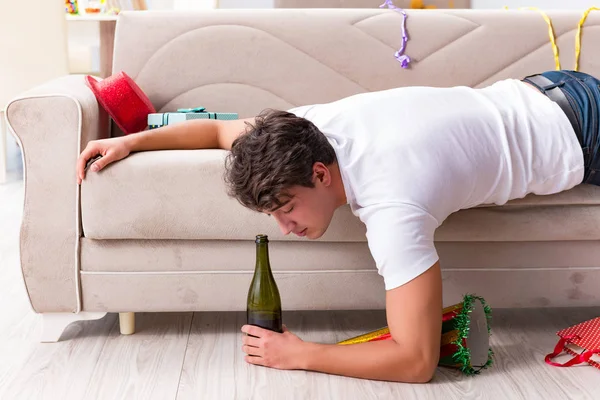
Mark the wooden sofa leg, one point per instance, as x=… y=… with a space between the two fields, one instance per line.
x=53 y=324
x=127 y=323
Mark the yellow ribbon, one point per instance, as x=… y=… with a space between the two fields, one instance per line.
x=449 y=338
x=578 y=37
x=550 y=33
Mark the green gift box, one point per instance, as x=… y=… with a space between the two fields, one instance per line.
x=156 y=120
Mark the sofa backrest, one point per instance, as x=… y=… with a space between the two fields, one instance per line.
x=247 y=60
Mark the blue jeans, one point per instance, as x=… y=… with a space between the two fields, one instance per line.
x=583 y=93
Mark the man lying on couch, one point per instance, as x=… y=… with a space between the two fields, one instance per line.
x=404 y=160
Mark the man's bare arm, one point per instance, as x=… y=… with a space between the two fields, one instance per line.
x=194 y=134
x=414 y=315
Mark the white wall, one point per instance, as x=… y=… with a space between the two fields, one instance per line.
x=542 y=4
x=84 y=46
x=33 y=46
x=33 y=50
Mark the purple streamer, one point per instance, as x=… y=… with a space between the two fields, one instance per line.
x=402 y=58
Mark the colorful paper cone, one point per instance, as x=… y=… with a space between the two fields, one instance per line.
x=465 y=336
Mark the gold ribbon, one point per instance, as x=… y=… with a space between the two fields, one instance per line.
x=578 y=37
x=551 y=33
x=449 y=338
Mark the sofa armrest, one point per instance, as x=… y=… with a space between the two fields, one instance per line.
x=51 y=124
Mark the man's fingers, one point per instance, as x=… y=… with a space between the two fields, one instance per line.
x=251 y=341
x=82 y=161
x=255 y=360
x=252 y=351
x=254 y=330
x=101 y=163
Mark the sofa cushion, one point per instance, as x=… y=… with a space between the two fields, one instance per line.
x=179 y=194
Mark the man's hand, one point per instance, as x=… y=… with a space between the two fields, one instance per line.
x=414 y=315
x=111 y=150
x=271 y=349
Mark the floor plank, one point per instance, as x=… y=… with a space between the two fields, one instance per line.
x=59 y=370
x=146 y=365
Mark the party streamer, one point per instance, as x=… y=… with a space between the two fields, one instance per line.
x=551 y=34
x=402 y=58
x=578 y=37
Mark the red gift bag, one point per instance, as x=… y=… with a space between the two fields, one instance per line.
x=582 y=341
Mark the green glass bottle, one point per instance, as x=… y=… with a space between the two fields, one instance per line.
x=264 y=303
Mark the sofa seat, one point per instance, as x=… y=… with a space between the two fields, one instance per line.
x=180 y=195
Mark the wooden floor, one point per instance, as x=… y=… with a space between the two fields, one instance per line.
x=198 y=355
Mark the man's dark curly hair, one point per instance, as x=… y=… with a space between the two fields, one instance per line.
x=274 y=154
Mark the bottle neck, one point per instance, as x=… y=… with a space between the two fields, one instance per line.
x=262 y=258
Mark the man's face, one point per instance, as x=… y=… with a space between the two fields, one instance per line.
x=308 y=213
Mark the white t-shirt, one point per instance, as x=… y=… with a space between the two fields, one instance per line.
x=409 y=157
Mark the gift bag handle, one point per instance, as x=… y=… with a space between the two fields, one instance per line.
x=560 y=346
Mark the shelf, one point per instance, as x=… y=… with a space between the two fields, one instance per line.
x=91 y=17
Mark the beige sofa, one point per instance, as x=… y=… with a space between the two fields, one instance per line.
x=156 y=231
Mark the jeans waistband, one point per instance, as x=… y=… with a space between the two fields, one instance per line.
x=582 y=108
x=555 y=93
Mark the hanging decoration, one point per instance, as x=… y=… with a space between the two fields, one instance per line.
x=402 y=58
x=578 y=37
x=552 y=35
